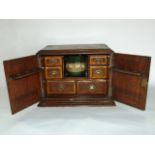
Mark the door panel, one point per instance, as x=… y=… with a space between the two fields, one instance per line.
x=129 y=79
x=23 y=81
x=132 y=63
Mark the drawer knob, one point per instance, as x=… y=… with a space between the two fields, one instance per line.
x=98 y=71
x=92 y=87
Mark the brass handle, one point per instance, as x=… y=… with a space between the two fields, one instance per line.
x=53 y=61
x=98 y=60
x=92 y=87
x=61 y=87
x=98 y=71
x=54 y=72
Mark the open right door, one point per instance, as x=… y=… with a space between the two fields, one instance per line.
x=130 y=76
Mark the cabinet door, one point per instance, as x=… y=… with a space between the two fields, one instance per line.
x=23 y=81
x=130 y=79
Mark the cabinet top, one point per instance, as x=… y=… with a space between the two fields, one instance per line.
x=79 y=48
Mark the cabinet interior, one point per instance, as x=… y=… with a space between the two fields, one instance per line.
x=81 y=74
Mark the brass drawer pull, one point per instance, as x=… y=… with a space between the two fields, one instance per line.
x=92 y=87
x=54 y=72
x=53 y=61
x=98 y=60
x=98 y=71
x=61 y=87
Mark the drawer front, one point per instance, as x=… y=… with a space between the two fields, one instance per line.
x=53 y=61
x=92 y=87
x=53 y=72
x=61 y=87
x=96 y=72
x=98 y=60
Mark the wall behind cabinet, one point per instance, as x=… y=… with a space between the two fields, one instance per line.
x=25 y=37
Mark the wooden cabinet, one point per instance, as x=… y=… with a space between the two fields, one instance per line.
x=69 y=75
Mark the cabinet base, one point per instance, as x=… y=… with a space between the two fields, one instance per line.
x=95 y=101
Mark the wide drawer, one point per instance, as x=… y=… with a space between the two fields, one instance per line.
x=53 y=61
x=53 y=72
x=92 y=87
x=97 y=72
x=61 y=87
x=98 y=60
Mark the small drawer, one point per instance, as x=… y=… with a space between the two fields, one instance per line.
x=97 y=72
x=98 y=60
x=53 y=72
x=53 y=61
x=92 y=87
x=61 y=87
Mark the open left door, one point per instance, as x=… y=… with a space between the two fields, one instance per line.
x=130 y=79
x=23 y=81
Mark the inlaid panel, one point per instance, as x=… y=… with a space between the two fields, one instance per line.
x=97 y=72
x=53 y=61
x=92 y=87
x=53 y=72
x=61 y=87
x=98 y=60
